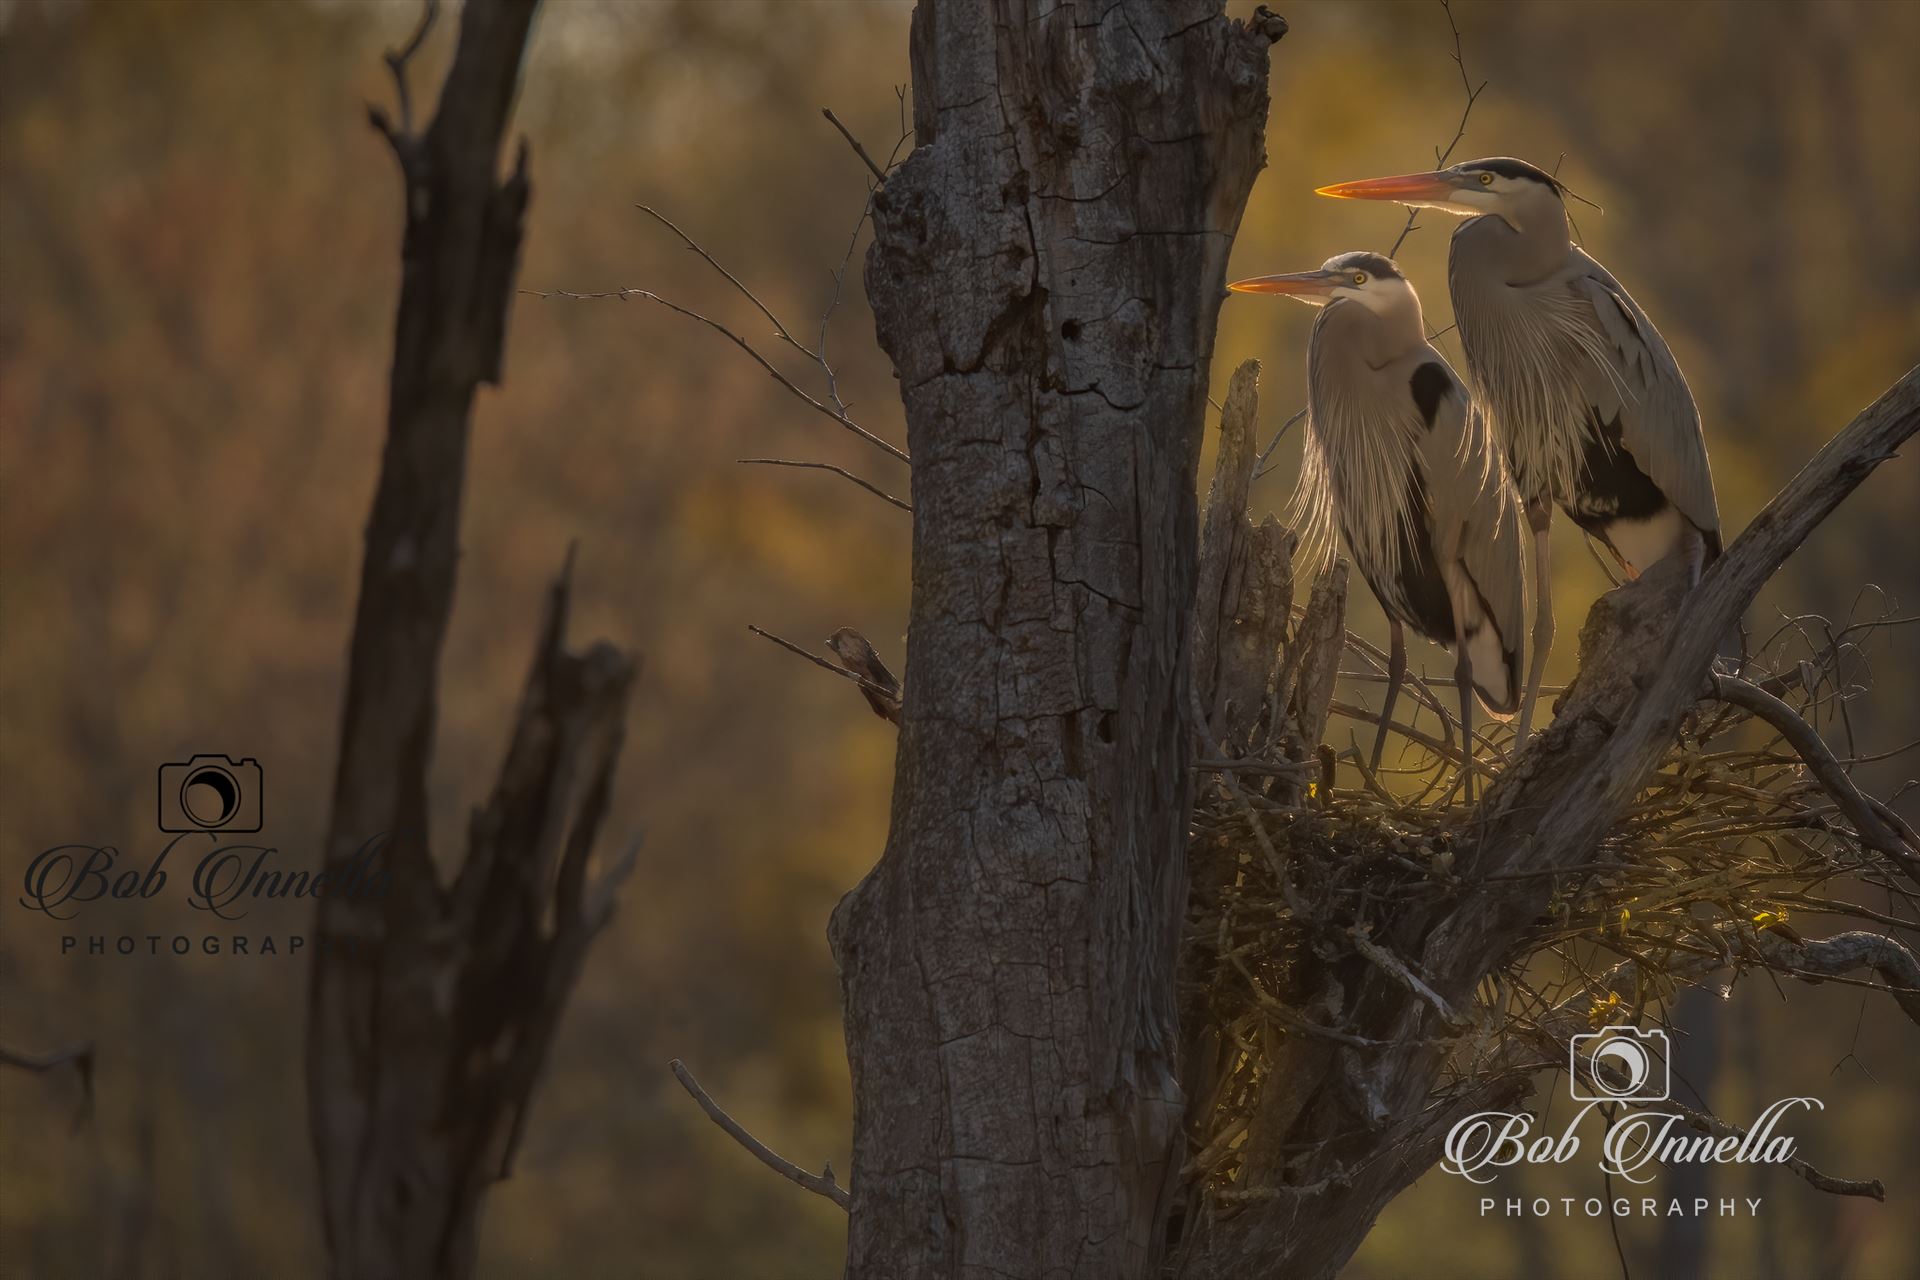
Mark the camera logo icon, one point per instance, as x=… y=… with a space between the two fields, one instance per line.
x=210 y=793
x=1624 y=1064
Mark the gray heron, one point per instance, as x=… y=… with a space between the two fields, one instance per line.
x=1589 y=403
x=1399 y=459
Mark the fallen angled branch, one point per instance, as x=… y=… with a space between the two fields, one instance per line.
x=821 y=1184
x=1819 y=758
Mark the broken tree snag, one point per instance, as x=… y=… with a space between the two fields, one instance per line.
x=431 y=1009
x=1243 y=598
x=1046 y=272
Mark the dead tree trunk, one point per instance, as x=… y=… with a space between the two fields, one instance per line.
x=1046 y=271
x=432 y=1006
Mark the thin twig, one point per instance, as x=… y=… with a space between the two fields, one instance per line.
x=1820 y=761
x=824 y=665
x=1473 y=95
x=821 y=1184
x=870 y=487
x=780 y=330
x=880 y=175
x=738 y=341
x=1714 y=1126
x=833 y=302
x=1260 y=463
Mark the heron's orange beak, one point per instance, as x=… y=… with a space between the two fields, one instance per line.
x=1309 y=283
x=1407 y=186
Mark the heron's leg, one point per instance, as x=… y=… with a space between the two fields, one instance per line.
x=1540 y=518
x=1396 y=671
x=1696 y=552
x=1463 y=677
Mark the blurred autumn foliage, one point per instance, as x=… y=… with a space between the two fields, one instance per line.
x=198 y=245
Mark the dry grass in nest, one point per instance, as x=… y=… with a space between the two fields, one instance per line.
x=1293 y=882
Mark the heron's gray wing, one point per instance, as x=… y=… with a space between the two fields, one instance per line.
x=1473 y=500
x=1636 y=376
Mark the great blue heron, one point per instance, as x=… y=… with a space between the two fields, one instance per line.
x=1582 y=390
x=1402 y=462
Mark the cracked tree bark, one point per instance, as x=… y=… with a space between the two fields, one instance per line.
x=431 y=1007
x=1046 y=271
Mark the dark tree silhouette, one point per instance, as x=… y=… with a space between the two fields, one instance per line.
x=433 y=1005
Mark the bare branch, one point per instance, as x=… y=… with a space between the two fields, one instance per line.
x=870 y=487
x=738 y=341
x=1473 y=95
x=1260 y=463
x=1714 y=1126
x=1844 y=954
x=870 y=686
x=1820 y=761
x=833 y=302
x=821 y=1184
x=780 y=330
x=879 y=174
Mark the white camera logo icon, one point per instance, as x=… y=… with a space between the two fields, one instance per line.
x=1624 y=1064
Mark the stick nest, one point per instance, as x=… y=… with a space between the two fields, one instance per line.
x=1293 y=879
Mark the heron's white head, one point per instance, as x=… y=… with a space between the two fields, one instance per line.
x=1370 y=279
x=1510 y=189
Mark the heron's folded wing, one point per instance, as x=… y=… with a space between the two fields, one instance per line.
x=1636 y=377
x=1473 y=498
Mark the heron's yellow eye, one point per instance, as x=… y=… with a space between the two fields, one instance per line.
x=1359 y=277
x=1486 y=179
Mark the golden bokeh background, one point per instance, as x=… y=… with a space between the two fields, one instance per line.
x=198 y=267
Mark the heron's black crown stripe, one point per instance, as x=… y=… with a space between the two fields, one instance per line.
x=1508 y=167
x=1430 y=383
x=1371 y=263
